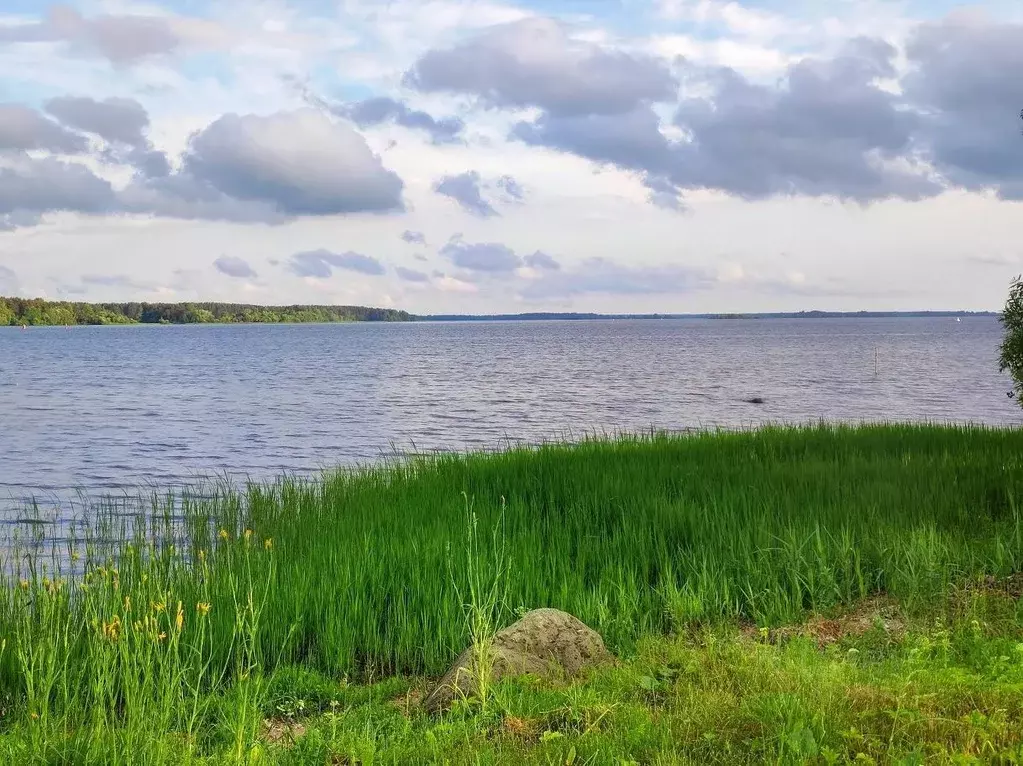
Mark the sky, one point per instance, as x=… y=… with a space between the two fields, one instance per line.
x=479 y=156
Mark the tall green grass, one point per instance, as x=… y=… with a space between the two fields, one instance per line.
x=351 y=574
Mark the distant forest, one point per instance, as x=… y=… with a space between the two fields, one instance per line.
x=769 y=315
x=35 y=311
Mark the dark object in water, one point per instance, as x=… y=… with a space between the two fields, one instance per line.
x=755 y=400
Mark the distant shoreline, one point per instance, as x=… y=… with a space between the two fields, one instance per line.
x=755 y=315
x=37 y=312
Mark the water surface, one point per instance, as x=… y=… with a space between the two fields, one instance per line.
x=106 y=409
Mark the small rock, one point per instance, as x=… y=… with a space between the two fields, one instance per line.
x=546 y=642
x=755 y=400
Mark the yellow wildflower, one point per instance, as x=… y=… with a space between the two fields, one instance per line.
x=223 y=534
x=268 y=543
x=179 y=619
x=203 y=607
x=34 y=715
x=248 y=536
x=112 y=629
x=162 y=636
x=159 y=606
x=24 y=584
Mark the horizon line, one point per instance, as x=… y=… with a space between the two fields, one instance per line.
x=552 y=314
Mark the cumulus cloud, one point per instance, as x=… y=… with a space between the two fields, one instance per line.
x=465 y=190
x=411 y=275
x=414 y=237
x=30 y=187
x=965 y=79
x=239 y=168
x=180 y=195
x=630 y=140
x=374 y=111
x=487 y=257
x=118 y=120
x=321 y=263
x=121 y=122
x=23 y=128
x=151 y=163
x=120 y=38
x=244 y=168
x=534 y=62
x=828 y=130
x=831 y=130
x=233 y=266
x=251 y=168
x=301 y=163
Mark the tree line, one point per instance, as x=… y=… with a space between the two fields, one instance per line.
x=36 y=311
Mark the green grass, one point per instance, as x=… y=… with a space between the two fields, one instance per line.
x=947 y=689
x=356 y=577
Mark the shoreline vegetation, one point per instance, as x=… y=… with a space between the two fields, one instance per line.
x=823 y=594
x=34 y=312
x=38 y=312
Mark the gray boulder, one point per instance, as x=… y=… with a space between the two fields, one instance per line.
x=546 y=642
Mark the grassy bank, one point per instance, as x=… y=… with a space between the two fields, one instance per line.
x=356 y=577
x=873 y=686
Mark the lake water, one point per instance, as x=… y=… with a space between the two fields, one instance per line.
x=105 y=409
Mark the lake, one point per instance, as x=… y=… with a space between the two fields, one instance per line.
x=107 y=409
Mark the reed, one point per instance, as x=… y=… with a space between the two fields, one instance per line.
x=178 y=625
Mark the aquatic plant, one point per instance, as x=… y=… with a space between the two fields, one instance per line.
x=179 y=625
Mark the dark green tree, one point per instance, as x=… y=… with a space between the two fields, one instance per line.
x=35 y=311
x=1011 y=357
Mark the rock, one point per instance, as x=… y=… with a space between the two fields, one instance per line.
x=754 y=400
x=546 y=642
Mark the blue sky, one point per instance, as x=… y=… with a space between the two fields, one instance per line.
x=491 y=156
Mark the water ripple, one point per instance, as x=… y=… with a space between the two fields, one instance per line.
x=112 y=408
